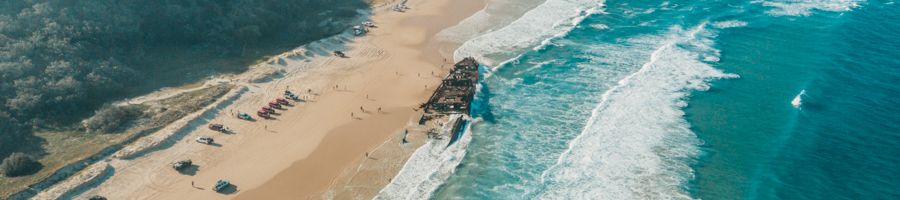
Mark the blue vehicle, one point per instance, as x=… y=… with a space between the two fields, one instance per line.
x=221 y=185
x=244 y=116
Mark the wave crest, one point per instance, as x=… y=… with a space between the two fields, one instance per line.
x=637 y=145
x=551 y=19
x=805 y=8
x=729 y=24
x=798 y=100
x=429 y=166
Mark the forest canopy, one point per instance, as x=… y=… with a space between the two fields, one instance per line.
x=61 y=59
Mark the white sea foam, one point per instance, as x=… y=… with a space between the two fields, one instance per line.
x=599 y=26
x=428 y=167
x=805 y=7
x=729 y=24
x=636 y=144
x=798 y=100
x=535 y=67
x=553 y=18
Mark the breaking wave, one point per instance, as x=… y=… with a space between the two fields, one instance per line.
x=806 y=7
x=798 y=100
x=636 y=144
x=553 y=18
x=428 y=167
x=729 y=24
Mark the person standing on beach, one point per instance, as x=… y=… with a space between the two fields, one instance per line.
x=405 y=133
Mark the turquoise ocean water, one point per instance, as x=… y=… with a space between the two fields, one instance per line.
x=692 y=99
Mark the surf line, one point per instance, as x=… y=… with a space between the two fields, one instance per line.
x=604 y=100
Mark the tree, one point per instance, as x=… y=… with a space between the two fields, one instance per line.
x=19 y=164
x=11 y=134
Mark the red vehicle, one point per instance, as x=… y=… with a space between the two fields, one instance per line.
x=216 y=127
x=263 y=113
x=219 y=128
x=282 y=101
x=268 y=109
x=275 y=105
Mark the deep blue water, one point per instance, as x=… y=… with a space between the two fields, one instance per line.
x=696 y=99
x=844 y=139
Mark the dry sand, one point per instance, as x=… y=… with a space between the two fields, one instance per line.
x=307 y=147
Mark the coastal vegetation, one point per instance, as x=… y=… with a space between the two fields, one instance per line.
x=111 y=118
x=18 y=164
x=63 y=63
x=65 y=145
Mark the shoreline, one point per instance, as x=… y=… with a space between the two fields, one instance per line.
x=404 y=42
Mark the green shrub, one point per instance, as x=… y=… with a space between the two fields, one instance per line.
x=19 y=164
x=111 y=118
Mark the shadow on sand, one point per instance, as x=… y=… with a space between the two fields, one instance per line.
x=215 y=144
x=190 y=170
x=229 y=190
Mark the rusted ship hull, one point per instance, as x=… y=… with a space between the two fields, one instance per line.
x=456 y=92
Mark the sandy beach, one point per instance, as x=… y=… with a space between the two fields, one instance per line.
x=356 y=105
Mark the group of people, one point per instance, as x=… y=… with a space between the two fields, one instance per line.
x=361 y=109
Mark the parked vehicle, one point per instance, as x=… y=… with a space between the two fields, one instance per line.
x=221 y=184
x=268 y=109
x=244 y=116
x=275 y=105
x=369 y=24
x=282 y=101
x=205 y=140
x=219 y=128
x=290 y=95
x=340 y=54
x=263 y=113
x=181 y=164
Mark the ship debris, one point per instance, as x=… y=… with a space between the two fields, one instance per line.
x=456 y=92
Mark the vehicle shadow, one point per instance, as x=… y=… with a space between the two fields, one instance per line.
x=215 y=144
x=229 y=190
x=190 y=170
